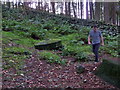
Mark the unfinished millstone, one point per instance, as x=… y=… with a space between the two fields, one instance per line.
x=49 y=45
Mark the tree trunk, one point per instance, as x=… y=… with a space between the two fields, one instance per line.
x=78 y=7
x=8 y=4
x=118 y=13
x=102 y=11
x=38 y=4
x=19 y=2
x=69 y=9
x=61 y=8
x=97 y=11
x=87 y=10
x=16 y=6
x=26 y=4
x=91 y=10
x=53 y=7
x=81 y=7
x=113 y=12
x=66 y=9
x=106 y=12
x=74 y=10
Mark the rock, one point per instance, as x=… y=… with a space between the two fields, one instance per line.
x=49 y=45
x=55 y=80
x=84 y=81
x=80 y=69
x=22 y=74
x=50 y=80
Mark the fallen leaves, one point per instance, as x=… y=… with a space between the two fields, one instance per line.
x=41 y=74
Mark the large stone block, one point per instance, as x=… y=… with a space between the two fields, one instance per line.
x=49 y=45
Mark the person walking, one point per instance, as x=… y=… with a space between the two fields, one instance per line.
x=97 y=39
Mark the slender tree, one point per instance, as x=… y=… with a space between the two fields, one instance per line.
x=66 y=8
x=39 y=4
x=91 y=10
x=69 y=8
x=113 y=6
x=118 y=13
x=87 y=9
x=19 y=2
x=106 y=12
x=81 y=9
x=78 y=7
x=8 y=4
x=53 y=7
x=74 y=9
x=97 y=11
x=61 y=8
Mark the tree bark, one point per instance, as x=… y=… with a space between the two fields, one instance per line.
x=113 y=12
x=106 y=12
x=78 y=7
x=74 y=10
x=38 y=4
x=8 y=4
x=61 y=8
x=81 y=7
x=19 y=2
x=97 y=11
x=53 y=7
x=91 y=10
x=66 y=9
x=69 y=9
x=87 y=10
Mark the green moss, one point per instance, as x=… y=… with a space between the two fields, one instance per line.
x=51 y=58
x=78 y=51
x=15 y=38
x=109 y=70
x=49 y=41
x=52 y=44
x=17 y=50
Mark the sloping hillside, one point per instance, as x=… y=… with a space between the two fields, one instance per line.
x=25 y=66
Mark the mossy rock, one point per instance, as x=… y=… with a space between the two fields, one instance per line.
x=80 y=69
x=109 y=70
x=49 y=45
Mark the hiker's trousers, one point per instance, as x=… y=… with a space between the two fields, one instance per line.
x=95 y=48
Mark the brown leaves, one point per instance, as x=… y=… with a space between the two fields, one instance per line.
x=41 y=74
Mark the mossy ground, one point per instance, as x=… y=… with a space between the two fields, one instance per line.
x=110 y=71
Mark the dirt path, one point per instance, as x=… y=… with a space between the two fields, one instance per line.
x=38 y=73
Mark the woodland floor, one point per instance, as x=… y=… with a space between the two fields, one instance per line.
x=40 y=74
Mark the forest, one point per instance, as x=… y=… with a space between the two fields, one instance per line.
x=45 y=44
